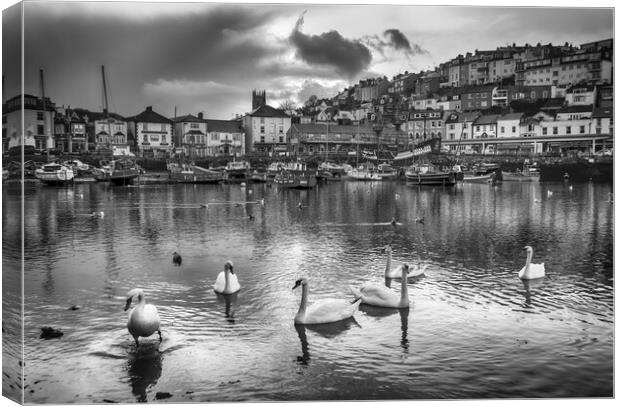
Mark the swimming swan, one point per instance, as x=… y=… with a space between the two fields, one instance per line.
x=376 y=294
x=143 y=319
x=324 y=310
x=531 y=271
x=397 y=271
x=227 y=282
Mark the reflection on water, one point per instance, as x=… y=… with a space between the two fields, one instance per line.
x=144 y=368
x=474 y=329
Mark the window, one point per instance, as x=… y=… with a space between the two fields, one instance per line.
x=193 y=125
x=163 y=138
x=262 y=120
x=163 y=127
x=502 y=129
x=568 y=131
x=262 y=130
x=514 y=129
x=281 y=130
x=544 y=131
x=262 y=138
x=555 y=130
x=451 y=126
x=281 y=139
x=477 y=128
x=40 y=130
x=145 y=138
x=39 y=115
x=582 y=129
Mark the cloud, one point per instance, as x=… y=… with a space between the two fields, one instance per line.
x=395 y=40
x=214 y=99
x=349 y=57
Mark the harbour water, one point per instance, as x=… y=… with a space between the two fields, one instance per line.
x=474 y=329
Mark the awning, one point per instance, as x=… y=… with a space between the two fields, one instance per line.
x=196 y=132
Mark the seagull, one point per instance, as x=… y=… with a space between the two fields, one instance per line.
x=299 y=205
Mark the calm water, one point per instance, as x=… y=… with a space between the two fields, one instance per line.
x=474 y=329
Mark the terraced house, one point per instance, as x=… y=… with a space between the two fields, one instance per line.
x=151 y=133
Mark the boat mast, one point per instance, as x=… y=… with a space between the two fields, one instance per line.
x=105 y=106
x=47 y=147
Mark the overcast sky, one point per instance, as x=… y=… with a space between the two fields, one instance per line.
x=209 y=57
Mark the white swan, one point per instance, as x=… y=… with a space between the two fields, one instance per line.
x=324 y=310
x=396 y=272
x=380 y=295
x=143 y=319
x=227 y=282
x=531 y=271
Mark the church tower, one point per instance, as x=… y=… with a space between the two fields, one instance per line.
x=258 y=99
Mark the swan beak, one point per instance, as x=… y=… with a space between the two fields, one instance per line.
x=407 y=268
x=127 y=304
x=297 y=284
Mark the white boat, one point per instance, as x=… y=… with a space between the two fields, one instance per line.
x=54 y=174
x=332 y=168
x=488 y=178
x=386 y=171
x=364 y=172
x=237 y=171
x=530 y=173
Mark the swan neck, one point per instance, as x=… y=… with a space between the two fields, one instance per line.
x=304 y=300
x=404 y=292
x=226 y=280
x=527 y=263
x=389 y=262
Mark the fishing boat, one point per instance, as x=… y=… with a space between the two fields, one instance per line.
x=54 y=174
x=386 y=171
x=259 y=175
x=296 y=176
x=471 y=178
x=117 y=172
x=237 y=171
x=186 y=173
x=79 y=167
x=365 y=171
x=332 y=168
x=429 y=174
x=529 y=173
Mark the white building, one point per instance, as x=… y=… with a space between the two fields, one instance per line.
x=225 y=138
x=152 y=133
x=265 y=130
x=508 y=125
x=38 y=122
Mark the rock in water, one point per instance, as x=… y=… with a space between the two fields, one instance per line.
x=50 y=332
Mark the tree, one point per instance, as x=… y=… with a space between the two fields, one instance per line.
x=288 y=106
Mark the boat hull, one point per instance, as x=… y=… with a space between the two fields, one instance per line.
x=295 y=181
x=490 y=178
x=434 y=179
x=55 y=178
x=519 y=177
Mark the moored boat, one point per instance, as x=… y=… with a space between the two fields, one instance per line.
x=429 y=174
x=237 y=171
x=365 y=171
x=185 y=173
x=488 y=178
x=117 y=172
x=530 y=173
x=54 y=174
x=296 y=176
x=259 y=176
x=386 y=171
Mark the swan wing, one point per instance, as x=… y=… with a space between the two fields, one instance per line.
x=234 y=283
x=330 y=310
x=379 y=295
x=220 y=282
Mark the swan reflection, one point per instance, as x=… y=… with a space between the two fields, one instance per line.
x=380 y=312
x=144 y=368
x=228 y=301
x=528 y=284
x=329 y=330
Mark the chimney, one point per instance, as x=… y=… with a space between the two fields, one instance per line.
x=149 y=108
x=200 y=115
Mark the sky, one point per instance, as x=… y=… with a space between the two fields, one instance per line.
x=208 y=57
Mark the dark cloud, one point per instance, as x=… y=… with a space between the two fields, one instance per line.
x=222 y=44
x=395 y=39
x=349 y=57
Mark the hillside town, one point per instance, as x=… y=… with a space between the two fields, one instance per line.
x=530 y=99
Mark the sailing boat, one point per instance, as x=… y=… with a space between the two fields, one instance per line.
x=120 y=171
x=329 y=170
x=52 y=173
x=365 y=171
